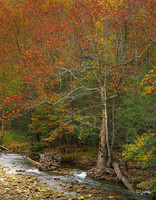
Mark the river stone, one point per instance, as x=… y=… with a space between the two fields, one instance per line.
x=143 y=186
x=83 y=186
x=20 y=170
x=63 y=185
x=7 y=190
x=34 y=179
x=78 y=190
x=75 y=182
x=56 y=178
x=88 y=196
x=81 y=198
x=94 y=192
x=69 y=190
x=70 y=186
x=113 y=197
x=22 y=184
x=60 y=194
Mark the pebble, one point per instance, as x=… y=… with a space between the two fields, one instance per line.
x=75 y=182
x=63 y=185
x=88 y=196
x=83 y=187
x=60 y=194
x=56 y=178
x=81 y=198
x=79 y=191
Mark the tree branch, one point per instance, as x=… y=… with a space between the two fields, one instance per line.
x=138 y=56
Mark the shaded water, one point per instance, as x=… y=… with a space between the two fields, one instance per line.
x=98 y=189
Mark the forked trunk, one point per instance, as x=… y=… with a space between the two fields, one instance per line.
x=104 y=154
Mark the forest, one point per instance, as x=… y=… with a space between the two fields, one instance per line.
x=77 y=78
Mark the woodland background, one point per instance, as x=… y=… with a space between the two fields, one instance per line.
x=79 y=74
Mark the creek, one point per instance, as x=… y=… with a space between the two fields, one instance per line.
x=66 y=181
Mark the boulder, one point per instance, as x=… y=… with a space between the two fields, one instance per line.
x=143 y=186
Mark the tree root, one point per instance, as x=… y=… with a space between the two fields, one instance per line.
x=121 y=177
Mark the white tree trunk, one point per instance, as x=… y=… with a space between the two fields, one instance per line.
x=106 y=127
x=101 y=160
x=104 y=154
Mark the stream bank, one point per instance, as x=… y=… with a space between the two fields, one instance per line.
x=19 y=186
x=22 y=180
x=138 y=177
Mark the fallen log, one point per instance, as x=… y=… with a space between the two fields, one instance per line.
x=4 y=148
x=34 y=162
x=121 y=177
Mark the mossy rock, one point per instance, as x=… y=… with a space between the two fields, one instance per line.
x=143 y=186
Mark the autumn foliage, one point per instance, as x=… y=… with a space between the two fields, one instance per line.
x=83 y=56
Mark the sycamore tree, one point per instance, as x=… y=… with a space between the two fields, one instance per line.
x=97 y=45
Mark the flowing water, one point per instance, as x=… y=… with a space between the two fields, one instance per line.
x=98 y=189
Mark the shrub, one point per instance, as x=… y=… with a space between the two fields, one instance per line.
x=141 y=150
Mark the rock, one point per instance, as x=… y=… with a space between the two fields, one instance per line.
x=81 y=198
x=113 y=197
x=42 y=168
x=43 y=190
x=78 y=190
x=60 y=194
x=94 y=192
x=70 y=186
x=63 y=185
x=88 y=196
x=34 y=179
x=143 y=186
x=75 y=182
x=20 y=170
x=56 y=178
x=83 y=186
x=51 y=168
x=69 y=190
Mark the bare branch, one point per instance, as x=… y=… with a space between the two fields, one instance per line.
x=138 y=56
x=112 y=97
